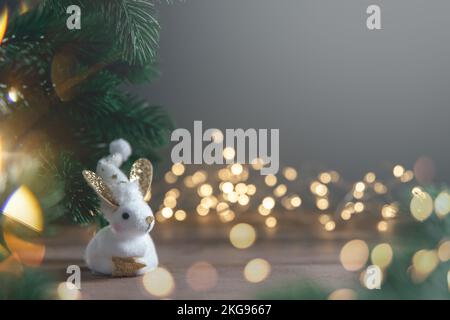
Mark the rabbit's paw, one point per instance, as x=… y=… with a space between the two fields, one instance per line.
x=126 y=267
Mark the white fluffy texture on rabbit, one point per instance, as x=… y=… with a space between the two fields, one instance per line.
x=124 y=248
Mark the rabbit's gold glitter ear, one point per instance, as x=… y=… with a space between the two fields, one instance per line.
x=142 y=171
x=102 y=190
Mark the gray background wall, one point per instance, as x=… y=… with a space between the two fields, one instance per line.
x=341 y=95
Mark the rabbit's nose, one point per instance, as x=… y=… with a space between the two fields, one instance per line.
x=149 y=219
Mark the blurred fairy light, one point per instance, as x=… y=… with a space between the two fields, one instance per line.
x=229 y=153
x=217 y=136
x=290 y=173
x=167 y=213
x=3 y=22
x=389 y=211
x=421 y=205
x=23 y=207
x=270 y=180
x=330 y=226
x=382 y=255
x=68 y=291
x=202 y=276
x=423 y=264
x=442 y=204
x=242 y=235
x=398 y=171
x=257 y=270
x=382 y=226
x=178 y=169
x=370 y=177
x=343 y=294
x=159 y=282
x=325 y=177
x=354 y=255
x=448 y=280
x=271 y=222
x=180 y=215
x=444 y=251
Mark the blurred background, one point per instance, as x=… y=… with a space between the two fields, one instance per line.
x=341 y=95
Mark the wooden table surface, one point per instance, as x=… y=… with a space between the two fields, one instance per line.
x=298 y=249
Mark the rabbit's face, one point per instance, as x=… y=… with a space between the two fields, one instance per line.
x=133 y=219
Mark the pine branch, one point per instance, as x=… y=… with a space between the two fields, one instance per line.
x=136 y=27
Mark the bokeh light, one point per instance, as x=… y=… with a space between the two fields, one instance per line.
x=271 y=222
x=354 y=255
x=201 y=276
x=382 y=255
x=242 y=235
x=159 y=282
x=257 y=270
x=442 y=204
x=421 y=205
x=444 y=251
x=343 y=294
x=68 y=291
x=423 y=263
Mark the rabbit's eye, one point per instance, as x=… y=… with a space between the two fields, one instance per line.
x=125 y=215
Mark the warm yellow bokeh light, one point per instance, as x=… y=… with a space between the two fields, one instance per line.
x=217 y=136
x=382 y=255
x=398 y=171
x=325 y=177
x=270 y=180
x=23 y=207
x=423 y=263
x=271 y=222
x=229 y=153
x=290 y=173
x=322 y=203
x=227 y=187
x=382 y=226
x=202 y=210
x=237 y=169
x=280 y=190
x=205 y=190
x=68 y=291
x=257 y=270
x=170 y=202
x=360 y=187
x=170 y=178
x=242 y=235
x=444 y=251
x=296 y=201
x=167 y=212
x=330 y=226
x=180 y=215
x=421 y=205
x=389 y=211
x=159 y=282
x=178 y=169
x=268 y=203
x=343 y=294
x=370 y=177
x=354 y=255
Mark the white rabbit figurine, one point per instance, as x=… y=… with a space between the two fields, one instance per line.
x=124 y=248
